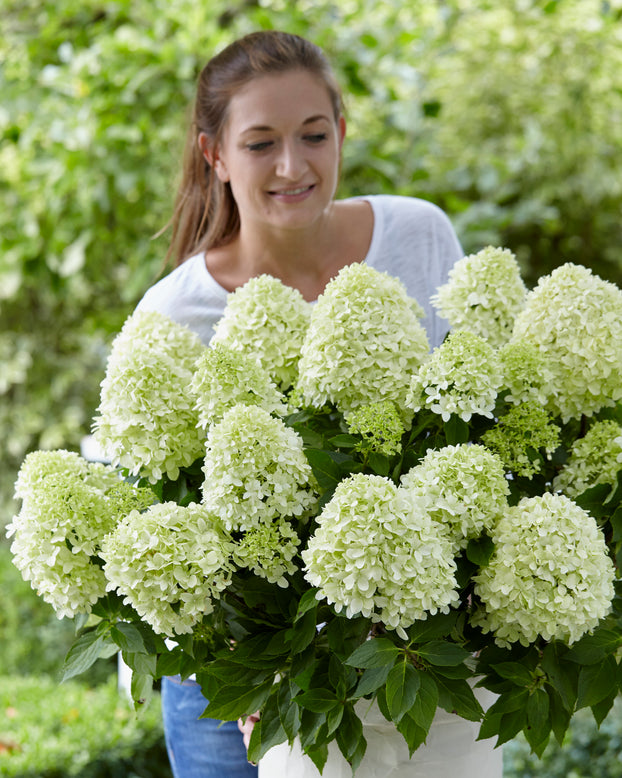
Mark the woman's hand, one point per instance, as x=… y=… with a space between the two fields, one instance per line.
x=246 y=727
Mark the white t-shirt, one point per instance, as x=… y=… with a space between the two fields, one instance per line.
x=412 y=240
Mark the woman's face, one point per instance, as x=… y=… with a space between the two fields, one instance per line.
x=280 y=150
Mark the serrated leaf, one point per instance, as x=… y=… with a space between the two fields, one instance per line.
x=372 y=679
x=141 y=689
x=596 y=682
x=515 y=672
x=560 y=717
x=308 y=602
x=231 y=702
x=424 y=707
x=350 y=738
x=538 y=710
x=402 y=686
x=602 y=708
x=592 y=500
x=317 y=700
x=267 y=733
x=376 y=652
x=413 y=734
x=591 y=649
x=456 y=430
x=443 y=653
x=561 y=676
x=480 y=550
x=433 y=628
x=326 y=471
x=303 y=632
x=83 y=654
x=457 y=696
x=318 y=755
x=144 y=664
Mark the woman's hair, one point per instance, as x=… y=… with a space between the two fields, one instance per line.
x=205 y=214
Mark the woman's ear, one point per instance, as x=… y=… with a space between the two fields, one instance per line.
x=212 y=157
x=342 y=131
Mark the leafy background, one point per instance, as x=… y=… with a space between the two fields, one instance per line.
x=507 y=115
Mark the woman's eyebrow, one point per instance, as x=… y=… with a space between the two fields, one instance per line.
x=266 y=128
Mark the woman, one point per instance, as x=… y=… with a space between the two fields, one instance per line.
x=257 y=196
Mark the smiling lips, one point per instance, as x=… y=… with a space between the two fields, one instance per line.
x=292 y=195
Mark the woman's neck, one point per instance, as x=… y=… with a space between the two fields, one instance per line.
x=303 y=259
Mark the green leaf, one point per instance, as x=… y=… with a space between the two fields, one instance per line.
x=318 y=755
x=326 y=471
x=168 y=664
x=515 y=672
x=515 y=699
x=267 y=732
x=141 y=689
x=538 y=710
x=83 y=654
x=561 y=676
x=456 y=431
x=231 y=702
x=592 y=649
x=144 y=664
x=376 y=652
x=480 y=550
x=334 y=718
x=303 y=632
x=457 y=696
x=412 y=732
x=317 y=700
x=379 y=463
x=372 y=679
x=308 y=602
x=596 y=682
x=424 y=707
x=344 y=441
x=402 y=686
x=560 y=717
x=443 y=653
x=434 y=627
x=350 y=738
x=602 y=708
x=593 y=499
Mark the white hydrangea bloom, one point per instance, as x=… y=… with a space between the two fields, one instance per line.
x=377 y=552
x=225 y=378
x=267 y=321
x=483 y=295
x=550 y=574
x=268 y=550
x=594 y=459
x=363 y=343
x=255 y=469
x=462 y=377
x=147 y=422
x=526 y=374
x=462 y=487
x=574 y=318
x=68 y=506
x=169 y=563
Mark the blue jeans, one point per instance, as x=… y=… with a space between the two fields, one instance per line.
x=200 y=748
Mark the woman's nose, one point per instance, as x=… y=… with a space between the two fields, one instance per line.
x=291 y=163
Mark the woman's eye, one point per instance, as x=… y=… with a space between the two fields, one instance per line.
x=318 y=137
x=260 y=146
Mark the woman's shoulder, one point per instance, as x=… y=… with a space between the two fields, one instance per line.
x=401 y=207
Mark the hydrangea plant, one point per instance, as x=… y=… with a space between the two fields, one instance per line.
x=320 y=512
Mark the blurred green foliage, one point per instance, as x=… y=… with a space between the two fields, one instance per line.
x=507 y=115
x=51 y=731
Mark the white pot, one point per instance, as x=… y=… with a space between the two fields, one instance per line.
x=451 y=751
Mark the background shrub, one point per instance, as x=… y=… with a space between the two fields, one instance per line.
x=52 y=731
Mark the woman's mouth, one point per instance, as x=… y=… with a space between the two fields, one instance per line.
x=294 y=194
